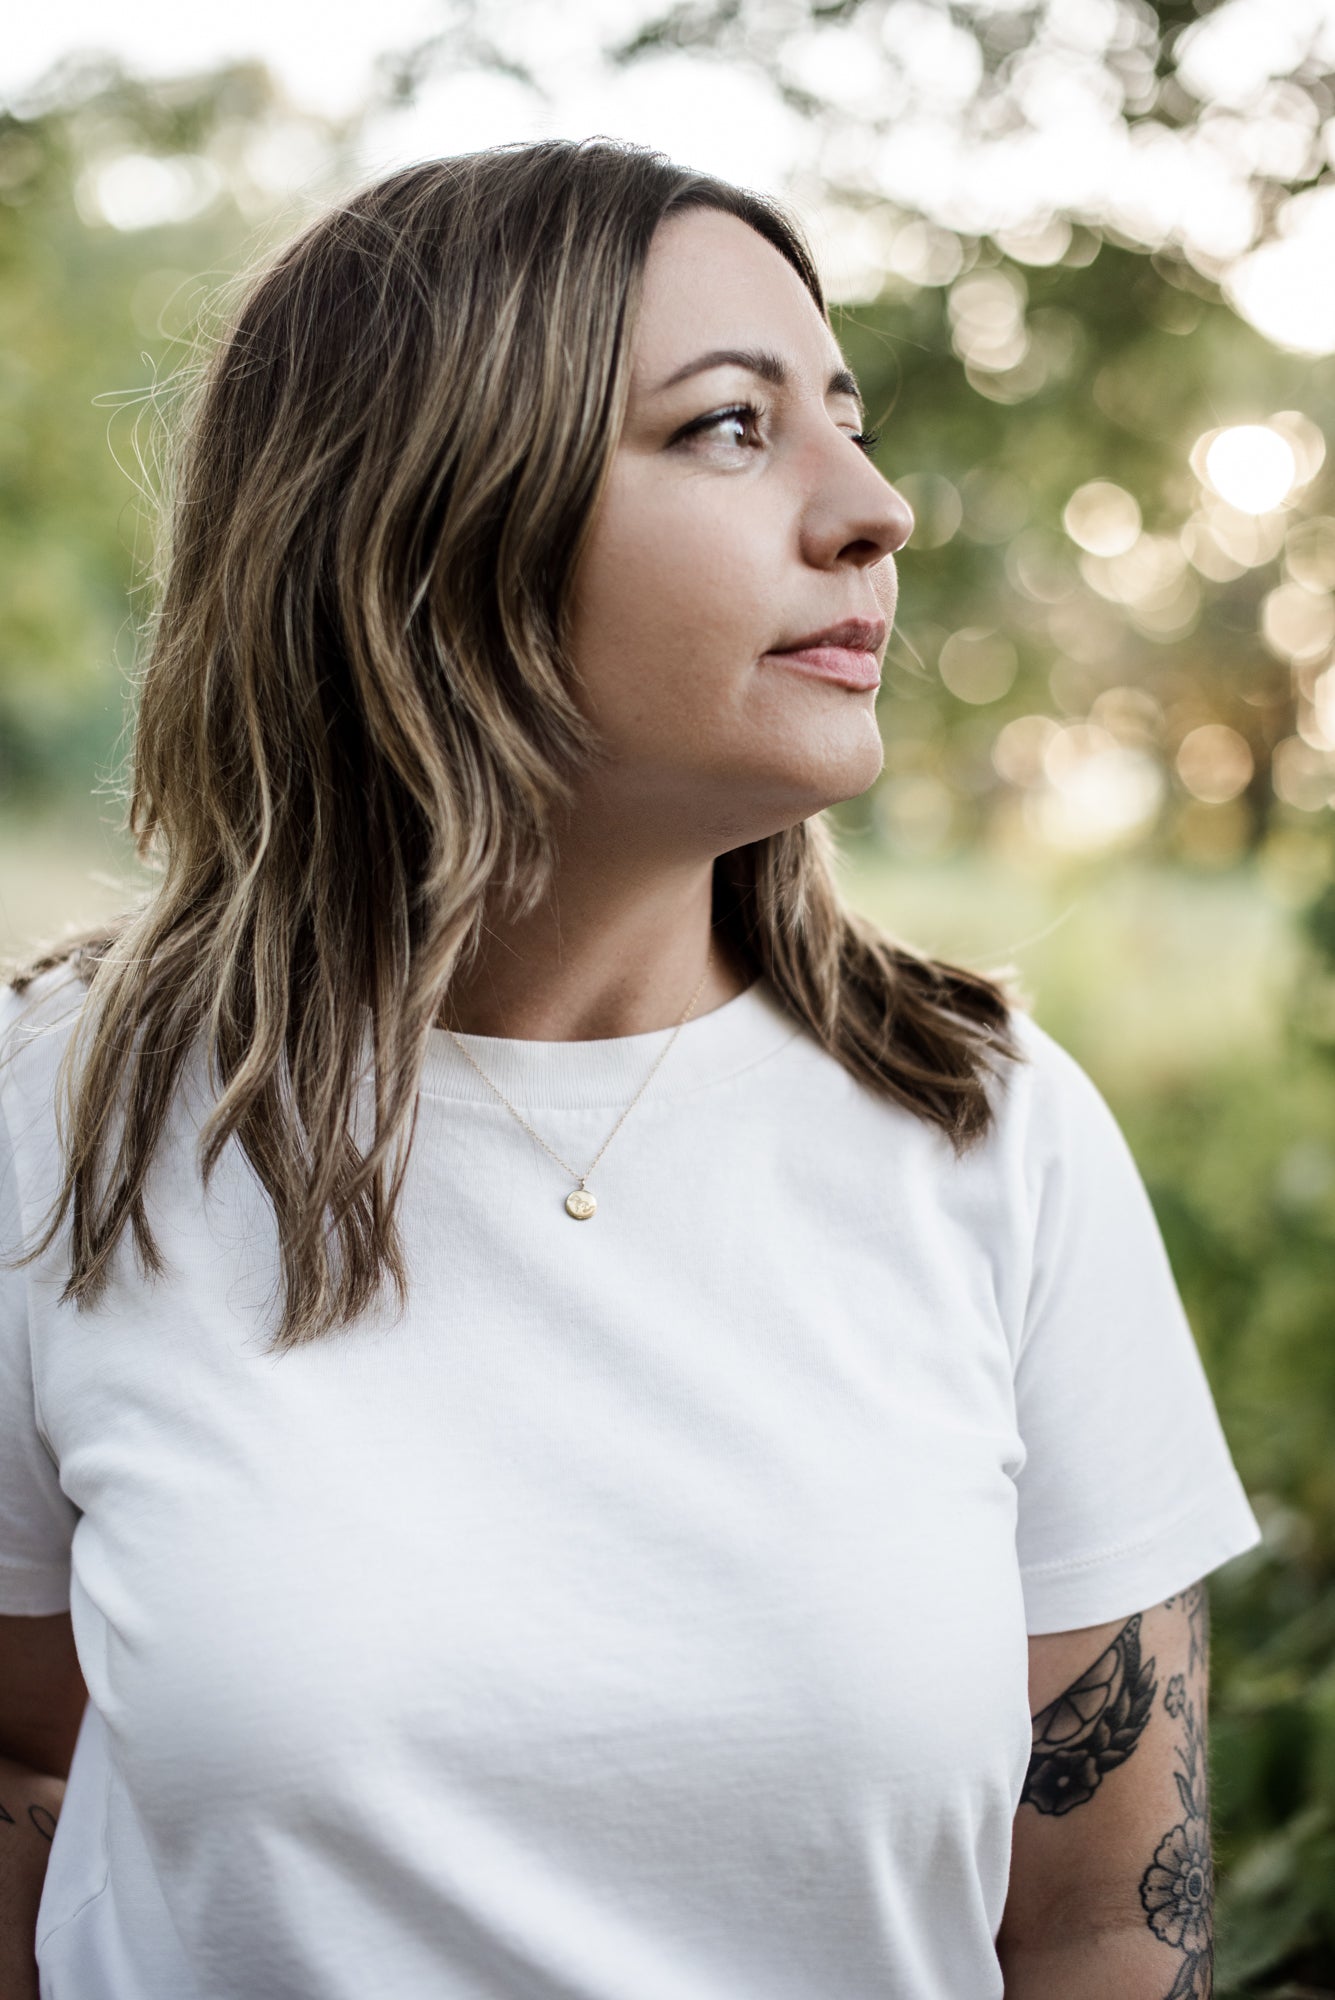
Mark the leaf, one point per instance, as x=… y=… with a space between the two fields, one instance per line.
x=1184 y=1986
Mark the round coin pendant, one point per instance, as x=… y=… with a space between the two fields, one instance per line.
x=581 y=1204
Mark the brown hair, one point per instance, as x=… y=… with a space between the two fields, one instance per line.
x=356 y=720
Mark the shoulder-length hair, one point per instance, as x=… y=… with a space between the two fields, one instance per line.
x=356 y=721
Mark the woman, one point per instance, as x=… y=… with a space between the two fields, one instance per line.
x=567 y=1386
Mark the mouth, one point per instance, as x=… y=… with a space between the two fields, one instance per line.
x=847 y=653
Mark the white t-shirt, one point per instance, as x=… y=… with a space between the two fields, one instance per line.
x=644 y=1614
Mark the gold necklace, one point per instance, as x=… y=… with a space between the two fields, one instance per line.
x=579 y=1202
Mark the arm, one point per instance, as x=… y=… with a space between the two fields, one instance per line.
x=1111 y=1889
x=42 y=1696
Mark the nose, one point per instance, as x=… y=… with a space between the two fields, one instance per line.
x=857 y=517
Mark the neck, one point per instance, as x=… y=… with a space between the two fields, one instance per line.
x=606 y=955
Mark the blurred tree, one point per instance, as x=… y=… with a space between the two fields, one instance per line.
x=123 y=206
x=1179 y=78
x=1159 y=683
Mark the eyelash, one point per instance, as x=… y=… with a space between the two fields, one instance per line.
x=865 y=440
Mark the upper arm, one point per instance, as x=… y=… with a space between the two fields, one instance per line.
x=42 y=1692
x=1112 y=1834
x=1127 y=1486
x=37 y=1516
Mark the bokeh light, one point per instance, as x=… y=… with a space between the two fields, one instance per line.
x=1100 y=793
x=1316 y=711
x=1101 y=518
x=1283 y=286
x=1301 y=775
x=937 y=508
x=978 y=664
x=1131 y=714
x=1309 y=552
x=1252 y=467
x=1298 y=624
x=1215 y=763
x=1018 y=752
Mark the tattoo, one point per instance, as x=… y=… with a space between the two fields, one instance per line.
x=1177 y=1889
x=1196 y=1604
x=1091 y=1728
x=41 y=1818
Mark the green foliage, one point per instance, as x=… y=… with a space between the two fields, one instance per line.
x=91 y=319
x=1131 y=366
x=1241 y=1168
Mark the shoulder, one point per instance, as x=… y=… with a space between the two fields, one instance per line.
x=1053 y=1120
x=38 y=1017
x=1048 y=1085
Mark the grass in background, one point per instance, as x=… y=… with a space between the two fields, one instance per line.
x=1148 y=973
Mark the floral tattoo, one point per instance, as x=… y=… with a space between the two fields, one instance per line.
x=1092 y=1727
x=1177 y=1889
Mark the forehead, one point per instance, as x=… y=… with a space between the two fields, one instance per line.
x=712 y=281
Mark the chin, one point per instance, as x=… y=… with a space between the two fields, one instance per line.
x=799 y=787
x=849 y=758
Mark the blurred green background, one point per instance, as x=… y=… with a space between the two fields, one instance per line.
x=1109 y=711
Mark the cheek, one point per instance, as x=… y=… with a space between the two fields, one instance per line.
x=672 y=604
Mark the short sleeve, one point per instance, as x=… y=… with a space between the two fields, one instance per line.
x=36 y=1518
x=1127 y=1493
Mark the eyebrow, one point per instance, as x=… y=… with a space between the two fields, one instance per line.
x=768 y=366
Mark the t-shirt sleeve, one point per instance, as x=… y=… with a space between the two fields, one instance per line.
x=1128 y=1493
x=36 y=1518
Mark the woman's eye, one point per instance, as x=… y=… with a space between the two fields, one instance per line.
x=736 y=426
x=739 y=425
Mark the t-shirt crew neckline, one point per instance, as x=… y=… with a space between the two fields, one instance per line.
x=580 y=1075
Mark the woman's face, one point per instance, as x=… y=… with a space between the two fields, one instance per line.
x=741 y=517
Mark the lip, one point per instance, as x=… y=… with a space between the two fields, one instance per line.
x=846 y=653
x=858 y=635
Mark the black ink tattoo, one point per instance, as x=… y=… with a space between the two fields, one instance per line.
x=41 y=1819
x=1196 y=1604
x=1177 y=1889
x=1091 y=1728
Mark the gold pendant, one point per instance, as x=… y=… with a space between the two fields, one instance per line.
x=581 y=1204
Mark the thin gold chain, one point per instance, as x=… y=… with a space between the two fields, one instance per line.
x=572 y=1171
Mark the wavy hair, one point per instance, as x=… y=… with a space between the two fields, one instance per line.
x=356 y=723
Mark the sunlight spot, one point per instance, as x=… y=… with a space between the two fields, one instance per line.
x=1102 y=518
x=1298 y=624
x=1100 y=792
x=144 y=190
x=1252 y=467
x=1215 y=763
x=1302 y=777
x=978 y=665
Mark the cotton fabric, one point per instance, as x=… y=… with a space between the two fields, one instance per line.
x=645 y=1612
